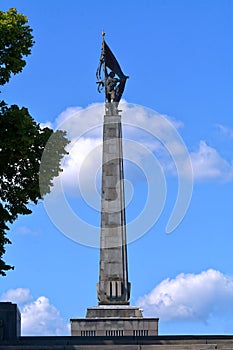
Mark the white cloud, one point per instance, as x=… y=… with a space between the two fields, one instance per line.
x=190 y=297
x=38 y=317
x=18 y=296
x=46 y=125
x=42 y=318
x=226 y=131
x=146 y=127
x=208 y=164
x=84 y=156
x=140 y=124
x=84 y=130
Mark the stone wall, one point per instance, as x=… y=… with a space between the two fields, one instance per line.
x=121 y=343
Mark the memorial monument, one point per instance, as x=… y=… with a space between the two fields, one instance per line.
x=113 y=324
x=113 y=315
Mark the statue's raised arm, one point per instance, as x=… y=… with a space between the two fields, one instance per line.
x=114 y=79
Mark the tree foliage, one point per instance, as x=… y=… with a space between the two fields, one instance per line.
x=22 y=140
x=16 y=41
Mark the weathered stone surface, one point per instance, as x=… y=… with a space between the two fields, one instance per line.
x=118 y=327
x=10 y=321
x=114 y=316
x=114 y=311
x=113 y=286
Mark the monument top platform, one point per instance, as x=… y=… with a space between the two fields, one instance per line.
x=114 y=311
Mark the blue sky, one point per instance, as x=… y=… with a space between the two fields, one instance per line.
x=179 y=57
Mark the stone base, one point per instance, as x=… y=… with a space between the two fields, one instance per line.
x=116 y=320
x=115 y=311
x=114 y=327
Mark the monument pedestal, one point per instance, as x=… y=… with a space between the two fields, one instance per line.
x=114 y=320
x=113 y=311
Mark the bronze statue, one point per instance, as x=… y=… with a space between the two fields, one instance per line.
x=114 y=87
x=111 y=87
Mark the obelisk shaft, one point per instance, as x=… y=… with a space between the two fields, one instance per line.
x=113 y=286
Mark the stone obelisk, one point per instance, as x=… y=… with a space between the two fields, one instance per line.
x=113 y=316
x=113 y=286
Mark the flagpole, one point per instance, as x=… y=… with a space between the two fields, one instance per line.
x=104 y=63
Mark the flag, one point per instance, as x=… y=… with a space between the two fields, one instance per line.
x=108 y=60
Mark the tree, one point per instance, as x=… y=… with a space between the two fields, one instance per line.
x=16 y=41
x=22 y=140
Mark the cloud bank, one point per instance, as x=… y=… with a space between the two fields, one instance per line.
x=39 y=316
x=207 y=162
x=190 y=297
x=84 y=129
